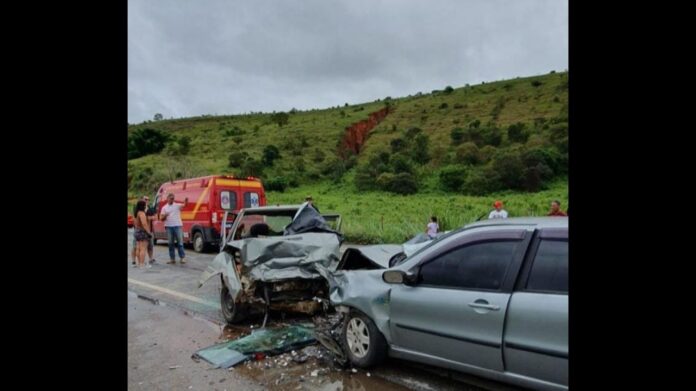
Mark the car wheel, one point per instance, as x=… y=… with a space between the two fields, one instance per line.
x=198 y=242
x=231 y=311
x=364 y=343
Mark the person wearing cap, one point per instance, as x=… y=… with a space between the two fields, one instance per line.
x=310 y=201
x=499 y=212
x=556 y=209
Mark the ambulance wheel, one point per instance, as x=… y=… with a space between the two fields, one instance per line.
x=198 y=242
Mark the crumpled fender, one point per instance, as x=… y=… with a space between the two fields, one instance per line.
x=363 y=290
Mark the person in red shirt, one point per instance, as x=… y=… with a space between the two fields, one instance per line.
x=556 y=209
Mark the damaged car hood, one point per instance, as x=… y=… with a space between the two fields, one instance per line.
x=284 y=257
x=307 y=256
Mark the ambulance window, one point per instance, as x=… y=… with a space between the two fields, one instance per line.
x=251 y=200
x=228 y=200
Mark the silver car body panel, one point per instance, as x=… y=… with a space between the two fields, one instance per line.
x=480 y=347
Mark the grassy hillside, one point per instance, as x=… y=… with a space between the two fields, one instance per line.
x=458 y=148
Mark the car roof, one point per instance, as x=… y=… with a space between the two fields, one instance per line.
x=537 y=222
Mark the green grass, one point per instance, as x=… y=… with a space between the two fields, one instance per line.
x=379 y=217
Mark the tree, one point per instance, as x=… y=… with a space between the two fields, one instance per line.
x=403 y=183
x=397 y=144
x=280 y=118
x=468 y=153
x=516 y=133
x=419 y=149
x=158 y=117
x=449 y=90
x=237 y=158
x=400 y=163
x=184 y=145
x=145 y=141
x=276 y=184
x=452 y=177
x=270 y=153
x=457 y=135
x=252 y=167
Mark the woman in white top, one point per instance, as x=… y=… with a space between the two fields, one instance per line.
x=432 y=228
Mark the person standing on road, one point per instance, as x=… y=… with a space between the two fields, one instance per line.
x=499 y=212
x=150 y=213
x=556 y=209
x=432 y=228
x=171 y=215
x=142 y=233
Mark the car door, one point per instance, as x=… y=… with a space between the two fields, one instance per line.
x=536 y=333
x=456 y=310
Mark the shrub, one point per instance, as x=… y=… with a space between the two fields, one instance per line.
x=420 y=149
x=510 y=169
x=251 y=167
x=270 y=154
x=516 y=133
x=468 y=153
x=457 y=135
x=276 y=184
x=452 y=177
x=443 y=105
x=480 y=182
x=397 y=144
x=404 y=184
x=536 y=83
x=318 y=156
x=236 y=159
x=145 y=141
x=412 y=132
x=400 y=163
x=449 y=90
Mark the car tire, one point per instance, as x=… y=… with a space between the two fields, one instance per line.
x=198 y=242
x=231 y=311
x=364 y=344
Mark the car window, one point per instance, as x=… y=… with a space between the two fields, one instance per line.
x=476 y=266
x=550 y=267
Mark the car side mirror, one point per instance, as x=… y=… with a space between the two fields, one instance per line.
x=398 y=277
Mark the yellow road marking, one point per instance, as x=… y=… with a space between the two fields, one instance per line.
x=175 y=293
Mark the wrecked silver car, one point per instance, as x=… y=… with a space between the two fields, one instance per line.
x=276 y=258
x=490 y=298
x=382 y=256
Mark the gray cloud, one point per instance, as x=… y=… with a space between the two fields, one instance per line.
x=188 y=58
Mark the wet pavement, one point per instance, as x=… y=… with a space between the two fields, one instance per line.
x=167 y=309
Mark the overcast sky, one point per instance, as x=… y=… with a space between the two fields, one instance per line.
x=189 y=58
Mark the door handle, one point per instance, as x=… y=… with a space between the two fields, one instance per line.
x=491 y=307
